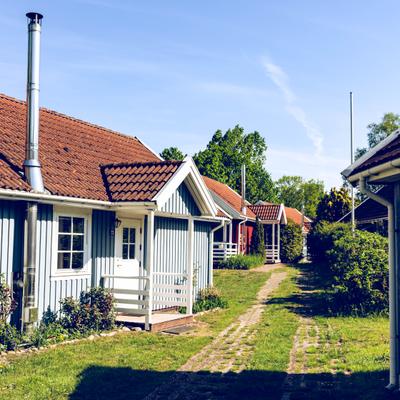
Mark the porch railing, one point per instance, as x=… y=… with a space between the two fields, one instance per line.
x=224 y=250
x=272 y=253
x=164 y=290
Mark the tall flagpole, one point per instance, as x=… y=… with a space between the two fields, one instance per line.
x=353 y=221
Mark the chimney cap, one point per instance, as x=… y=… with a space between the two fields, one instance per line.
x=34 y=17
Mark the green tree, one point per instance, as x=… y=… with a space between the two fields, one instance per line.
x=291 y=242
x=313 y=193
x=257 y=245
x=172 y=153
x=295 y=192
x=333 y=205
x=224 y=155
x=379 y=131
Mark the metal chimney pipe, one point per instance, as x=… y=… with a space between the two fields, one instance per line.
x=31 y=164
x=33 y=172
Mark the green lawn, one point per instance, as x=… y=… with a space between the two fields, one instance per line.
x=337 y=357
x=111 y=367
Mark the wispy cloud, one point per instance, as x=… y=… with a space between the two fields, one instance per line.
x=281 y=80
x=232 y=89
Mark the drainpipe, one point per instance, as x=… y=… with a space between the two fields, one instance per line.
x=211 y=249
x=32 y=169
x=394 y=350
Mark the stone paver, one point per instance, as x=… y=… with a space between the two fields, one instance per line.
x=228 y=353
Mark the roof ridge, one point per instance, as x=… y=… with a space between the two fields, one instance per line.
x=74 y=119
x=138 y=163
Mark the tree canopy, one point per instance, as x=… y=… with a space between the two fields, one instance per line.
x=379 y=131
x=172 y=153
x=294 y=191
x=224 y=155
x=333 y=205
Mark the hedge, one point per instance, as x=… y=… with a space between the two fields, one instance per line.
x=291 y=243
x=241 y=261
x=355 y=265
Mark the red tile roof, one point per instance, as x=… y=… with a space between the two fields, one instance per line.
x=71 y=151
x=266 y=212
x=137 y=181
x=297 y=217
x=228 y=195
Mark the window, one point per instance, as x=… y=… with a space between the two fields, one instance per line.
x=128 y=243
x=71 y=243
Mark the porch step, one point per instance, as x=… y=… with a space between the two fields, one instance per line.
x=160 y=320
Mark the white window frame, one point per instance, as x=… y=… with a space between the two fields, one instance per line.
x=87 y=255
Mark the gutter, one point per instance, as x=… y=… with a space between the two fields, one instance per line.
x=51 y=199
x=393 y=164
x=394 y=350
x=210 y=249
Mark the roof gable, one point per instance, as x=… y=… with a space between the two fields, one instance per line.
x=181 y=202
x=269 y=212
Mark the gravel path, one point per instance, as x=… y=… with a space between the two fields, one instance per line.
x=208 y=373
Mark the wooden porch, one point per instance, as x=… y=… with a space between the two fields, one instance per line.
x=155 y=302
x=160 y=321
x=224 y=250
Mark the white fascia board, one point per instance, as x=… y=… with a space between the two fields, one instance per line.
x=227 y=208
x=282 y=215
x=347 y=172
x=72 y=201
x=198 y=189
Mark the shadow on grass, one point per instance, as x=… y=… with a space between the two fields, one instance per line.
x=314 y=298
x=109 y=383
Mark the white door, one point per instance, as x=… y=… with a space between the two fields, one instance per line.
x=127 y=258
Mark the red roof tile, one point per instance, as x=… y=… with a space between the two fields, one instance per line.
x=228 y=195
x=297 y=217
x=266 y=212
x=137 y=181
x=71 y=151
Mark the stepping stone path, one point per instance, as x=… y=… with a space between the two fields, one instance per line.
x=209 y=373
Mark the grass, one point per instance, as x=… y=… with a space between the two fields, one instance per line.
x=345 y=357
x=126 y=365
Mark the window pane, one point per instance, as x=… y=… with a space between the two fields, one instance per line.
x=79 y=225
x=132 y=232
x=64 y=242
x=125 y=251
x=77 y=260
x=64 y=224
x=131 y=251
x=125 y=237
x=63 y=260
x=77 y=242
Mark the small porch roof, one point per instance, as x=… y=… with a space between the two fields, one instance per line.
x=270 y=213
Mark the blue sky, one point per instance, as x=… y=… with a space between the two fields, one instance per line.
x=172 y=72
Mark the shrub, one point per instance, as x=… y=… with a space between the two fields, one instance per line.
x=358 y=265
x=257 y=245
x=291 y=242
x=241 y=261
x=93 y=311
x=208 y=299
x=7 y=304
x=321 y=239
x=45 y=334
x=10 y=337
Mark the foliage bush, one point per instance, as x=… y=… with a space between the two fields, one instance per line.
x=321 y=239
x=241 y=261
x=257 y=245
x=208 y=299
x=291 y=242
x=94 y=311
x=10 y=337
x=358 y=265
